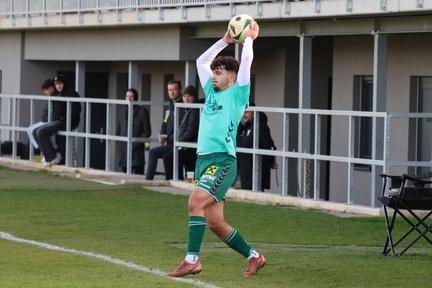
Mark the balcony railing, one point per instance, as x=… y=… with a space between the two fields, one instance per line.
x=23 y=7
x=14 y=130
x=284 y=8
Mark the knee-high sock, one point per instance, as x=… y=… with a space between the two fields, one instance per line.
x=197 y=226
x=236 y=241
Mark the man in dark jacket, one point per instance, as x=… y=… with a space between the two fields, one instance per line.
x=58 y=121
x=245 y=140
x=187 y=132
x=141 y=128
x=166 y=134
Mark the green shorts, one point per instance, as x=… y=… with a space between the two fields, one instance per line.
x=215 y=173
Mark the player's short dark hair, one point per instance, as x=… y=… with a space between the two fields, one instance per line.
x=228 y=63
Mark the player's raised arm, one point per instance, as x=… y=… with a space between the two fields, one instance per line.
x=243 y=76
x=204 y=61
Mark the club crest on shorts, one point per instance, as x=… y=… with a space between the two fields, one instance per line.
x=211 y=170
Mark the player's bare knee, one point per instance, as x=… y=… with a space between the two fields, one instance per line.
x=214 y=227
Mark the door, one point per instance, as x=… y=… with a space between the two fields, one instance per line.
x=425 y=125
x=96 y=86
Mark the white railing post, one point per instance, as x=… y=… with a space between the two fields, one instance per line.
x=130 y=135
x=285 y=148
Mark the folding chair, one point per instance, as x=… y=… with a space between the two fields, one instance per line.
x=402 y=196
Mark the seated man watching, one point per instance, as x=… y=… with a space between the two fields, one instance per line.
x=58 y=121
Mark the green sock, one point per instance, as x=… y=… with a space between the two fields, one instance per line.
x=236 y=241
x=197 y=226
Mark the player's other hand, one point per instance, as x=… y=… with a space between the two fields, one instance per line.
x=227 y=38
x=254 y=30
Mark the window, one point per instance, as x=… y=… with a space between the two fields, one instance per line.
x=363 y=101
x=252 y=89
x=424 y=134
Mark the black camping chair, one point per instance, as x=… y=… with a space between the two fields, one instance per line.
x=408 y=193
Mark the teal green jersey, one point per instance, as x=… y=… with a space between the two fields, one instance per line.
x=221 y=115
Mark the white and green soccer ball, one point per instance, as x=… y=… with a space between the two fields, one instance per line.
x=239 y=26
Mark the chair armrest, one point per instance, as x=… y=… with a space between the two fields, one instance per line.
x=418 y=180
x=397 y=177
x=396 y=184
x=418 y=177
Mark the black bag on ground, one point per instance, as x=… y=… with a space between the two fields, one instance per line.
x=22 y=149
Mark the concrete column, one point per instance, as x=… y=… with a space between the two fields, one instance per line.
x=80 y=67
x=190 y=73
x=379 y=105
x=80 y=70
x=133 y=79
x=305 y=80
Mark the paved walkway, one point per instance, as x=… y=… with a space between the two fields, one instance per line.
x=182 y=187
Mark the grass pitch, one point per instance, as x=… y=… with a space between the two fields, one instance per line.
x=149 y=230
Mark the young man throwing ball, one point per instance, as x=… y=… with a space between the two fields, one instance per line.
x=226 y=84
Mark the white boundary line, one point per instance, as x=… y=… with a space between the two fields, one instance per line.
x=157 y=272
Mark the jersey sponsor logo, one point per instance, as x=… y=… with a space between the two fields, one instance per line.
x=213 y=106
x=211 y=170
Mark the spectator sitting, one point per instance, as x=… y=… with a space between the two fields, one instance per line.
x=48 y=89
x=140 y=129
x=166 y=134
x=245 y=140
x=58 y=121
x=187 y=132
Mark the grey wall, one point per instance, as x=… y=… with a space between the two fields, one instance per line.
x=130 y=43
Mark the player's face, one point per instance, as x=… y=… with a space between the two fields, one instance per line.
x=222 y=79
x=174 y=91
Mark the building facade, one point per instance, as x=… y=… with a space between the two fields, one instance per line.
x=350 y=55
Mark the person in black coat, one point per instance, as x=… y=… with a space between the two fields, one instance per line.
x=187 y=132
x=167 y=129
x=141 y=128
x=245 y=140
x=58 y=121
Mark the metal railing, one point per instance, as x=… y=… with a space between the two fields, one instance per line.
x=23 y=7
x=29 y=7
x=12 y=126
x=45 y=8
x=298 y=8
x=382 y=161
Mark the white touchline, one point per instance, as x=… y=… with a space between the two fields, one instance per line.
x=10 y=237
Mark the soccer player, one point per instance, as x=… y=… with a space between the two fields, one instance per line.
x=226 y=84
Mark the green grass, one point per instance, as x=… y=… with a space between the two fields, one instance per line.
x=303 y=248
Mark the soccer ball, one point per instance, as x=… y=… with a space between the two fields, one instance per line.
x=239 y=26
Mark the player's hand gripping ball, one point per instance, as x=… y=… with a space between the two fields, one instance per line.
x=239 y=26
